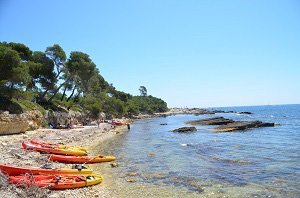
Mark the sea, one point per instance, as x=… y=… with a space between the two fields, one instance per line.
x=261 y=162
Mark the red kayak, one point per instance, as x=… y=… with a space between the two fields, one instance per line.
x=56 y=182
x=81 y=159
x=15 y=170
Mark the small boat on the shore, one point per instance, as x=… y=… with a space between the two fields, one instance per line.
x=81 y=159
x=118 y=123
x=56 y=182
x=39 y=148
x=52 y=145
x=13 y=170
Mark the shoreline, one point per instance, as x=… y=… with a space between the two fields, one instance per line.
x=87 y=136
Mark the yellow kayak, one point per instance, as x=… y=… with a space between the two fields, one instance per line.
x=52 y=145
x=35 y=147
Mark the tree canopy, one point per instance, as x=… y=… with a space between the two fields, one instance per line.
x=50 y=78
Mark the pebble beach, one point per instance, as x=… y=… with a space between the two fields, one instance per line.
x=88 y=136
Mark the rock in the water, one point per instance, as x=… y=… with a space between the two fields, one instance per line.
x=211 y=121
x=163 y=124
x=185 y=129
x=244 y=112
x=243 y=125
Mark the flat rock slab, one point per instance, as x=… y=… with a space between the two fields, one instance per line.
x=243 y=125
x=185 y=129
x=212 y=121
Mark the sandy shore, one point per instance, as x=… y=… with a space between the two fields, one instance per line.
x=88 y=136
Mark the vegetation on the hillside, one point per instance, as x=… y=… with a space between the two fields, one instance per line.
x=50 y=80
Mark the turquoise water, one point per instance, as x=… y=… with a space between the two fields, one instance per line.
x=262 y=162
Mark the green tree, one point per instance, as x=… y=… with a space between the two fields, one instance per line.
x=14 y=73
x=143 y=90
x=41 y=70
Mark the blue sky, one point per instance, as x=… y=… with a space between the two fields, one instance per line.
x=190 y=52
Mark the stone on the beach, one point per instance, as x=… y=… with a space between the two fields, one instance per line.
x=132 y=174
x=243 y=125
x=131 y=180
x=114 y=165
x=185 y=129
x=151 y=154
x=211 y=121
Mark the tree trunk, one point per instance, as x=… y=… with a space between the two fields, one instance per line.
x=11 y=90
x=77 y=96
x=56 y=91
x=64 y=93
x=45 y=92
x=71 y=94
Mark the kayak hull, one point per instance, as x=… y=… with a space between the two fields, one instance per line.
x=81 y=159
x=15 y=170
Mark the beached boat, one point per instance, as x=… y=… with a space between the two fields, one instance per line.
x=39 y=148
x=56 y=182
x=118 y=123
x=81 y=159
x=13 y=170
x=52 y=145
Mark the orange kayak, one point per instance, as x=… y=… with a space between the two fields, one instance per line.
x=118 y=123
x=60 y=151
x=56 y=182
x=13 y=170
x=81 y=159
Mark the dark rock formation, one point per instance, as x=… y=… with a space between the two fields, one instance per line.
x=243 y=125
x=211 y=121
x=163 y=124
x=244 y=112
x=185 y=129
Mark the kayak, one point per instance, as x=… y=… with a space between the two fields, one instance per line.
x=13 y=170
x=39 y=148
x=51 y=145
x=56 y=182
x=81 y=159
x=118 y=123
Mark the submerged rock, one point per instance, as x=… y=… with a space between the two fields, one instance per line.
x=185 y=129
x=243 y=125
x=211 y=121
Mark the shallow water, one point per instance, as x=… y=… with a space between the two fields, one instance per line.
x=262 y=162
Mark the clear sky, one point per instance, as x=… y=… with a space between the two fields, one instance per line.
x=190 y=53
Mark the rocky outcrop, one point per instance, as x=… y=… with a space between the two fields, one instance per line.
x=59 y=119
x=211 y=121
x=18 y=123
x=12 y=123
x=34 y=118
x=244 y=112
x=243 y=125
x=185 y=129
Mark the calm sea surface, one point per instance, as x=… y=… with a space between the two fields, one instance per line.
x=262 y=162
